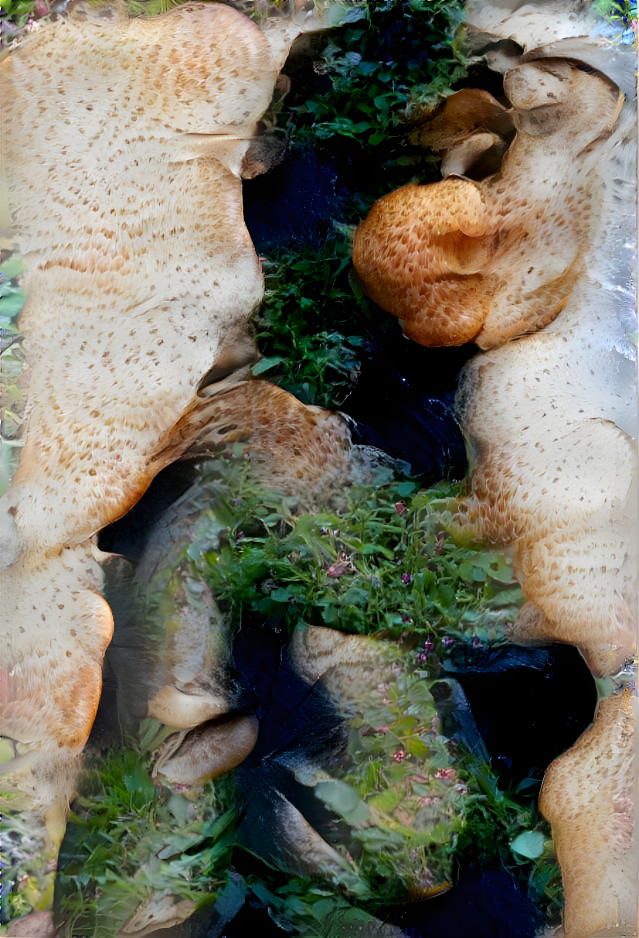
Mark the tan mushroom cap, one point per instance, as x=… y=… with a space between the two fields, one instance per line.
x=487 y=261
x=137 y=255
x=587 y=797
x=470 y=130
x=124 y=143
x=555 y=476
x=420 y=254
x=157 y=914
x=139 y=265
x=207 y=752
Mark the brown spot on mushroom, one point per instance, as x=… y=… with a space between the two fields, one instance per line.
x=587 y=797
x=136 y=232
x=447 y=258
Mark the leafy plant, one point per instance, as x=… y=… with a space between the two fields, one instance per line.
x=14 y=371
x=311 y=327
x=127 y=841
x=380 y=564
x=408 y=803
x=373 y=90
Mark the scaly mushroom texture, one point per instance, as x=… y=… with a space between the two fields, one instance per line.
x=124 y=145
x=587 y=797
x=138 y=259
x=460 y=261
x=546 y=244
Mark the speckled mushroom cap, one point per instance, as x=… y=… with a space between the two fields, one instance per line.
x=470 y=130
x=555 y=473
x=123 y=149
x=587 y=797
x=459 y=260
x=124 y=144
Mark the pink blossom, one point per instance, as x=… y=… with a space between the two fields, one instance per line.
x=446 y=775
x=398 y=756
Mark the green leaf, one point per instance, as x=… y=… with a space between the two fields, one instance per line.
x=229 y=900
x=387 y=801
x=280 y=595
x=11 y=304
x=344 y=800
x=530 y=844
x=378 y=549
x=406 y=488
x=12 y=267
x=355 y=597
x=265 y=364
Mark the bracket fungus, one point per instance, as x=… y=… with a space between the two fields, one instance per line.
x=463 y=260
x=541 y=252
x=471 y=130
x=124 y=145
x=587 y=796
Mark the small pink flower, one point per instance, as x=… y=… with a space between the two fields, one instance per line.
x=447 y=641
x=399 y=755
x=476 y=642
x=340 y=567
x=406 y=577
x=400 y=508
x=446 y=775
x=382 y=689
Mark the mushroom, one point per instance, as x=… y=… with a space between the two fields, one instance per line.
x=554 y=473
x=459 y=260
x=142 y=150
x=139 y=271
x=504 y=35
x=550 y=418
x=206 y=752
x=471 y=130
x=155 y=914
x=587 y=795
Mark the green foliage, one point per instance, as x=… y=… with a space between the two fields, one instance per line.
x=13 y=371
x=126 y=841
x=506 y=827
x=312 y=324
x=620 y=12
x=379 y=564
x=409 y=804
x=373 y=91
x=17 y=12
x=315 y=317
